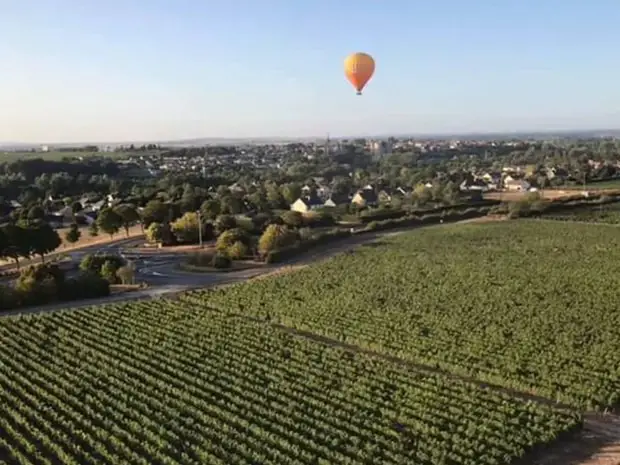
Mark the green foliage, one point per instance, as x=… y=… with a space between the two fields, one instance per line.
x=293 y=219
x=528 y=304
x=109 y=221
x=275 y=237
x=42 y=239
x=210 y=209
x=238 y=251
x=45 y=283
x=73 y=234
x=224 y=223
x=155 y=211
x=186 y=228
x=229 y=237
x=204 y=374
x=128 y=216
x=93 y=229
x=221 y=261
x=108 y=271
x=95 y=262
x=155 y=233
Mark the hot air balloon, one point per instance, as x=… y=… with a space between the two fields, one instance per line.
x=359 y=68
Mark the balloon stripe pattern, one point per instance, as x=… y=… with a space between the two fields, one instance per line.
x=175 y=383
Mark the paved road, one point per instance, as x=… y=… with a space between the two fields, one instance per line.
x=161 y=271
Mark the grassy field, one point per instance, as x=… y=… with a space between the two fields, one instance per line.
x=529 y=305
x=55 y=156
x=158 y=382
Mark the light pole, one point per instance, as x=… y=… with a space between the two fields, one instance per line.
x=199 y=228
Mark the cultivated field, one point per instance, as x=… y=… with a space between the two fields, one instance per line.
x=161 y=383
x=529 y=305
x=372 y=357
x=55 y=156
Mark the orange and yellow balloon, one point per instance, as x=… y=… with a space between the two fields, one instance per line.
x=359 y=68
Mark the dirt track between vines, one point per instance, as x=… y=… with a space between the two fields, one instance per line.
x=597 y=443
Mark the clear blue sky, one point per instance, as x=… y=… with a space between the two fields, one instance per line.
x=117 y=70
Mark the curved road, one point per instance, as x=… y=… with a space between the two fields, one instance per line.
x=161 y=271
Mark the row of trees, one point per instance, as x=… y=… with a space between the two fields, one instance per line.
x=45 y=283
x=19 y=241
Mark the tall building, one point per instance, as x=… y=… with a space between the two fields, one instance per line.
x=380 y=148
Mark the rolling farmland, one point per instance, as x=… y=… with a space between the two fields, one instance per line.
x=529 y=305
x=159 y=383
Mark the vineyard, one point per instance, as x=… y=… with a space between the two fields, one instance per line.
x=530 y=305
x=162 y=383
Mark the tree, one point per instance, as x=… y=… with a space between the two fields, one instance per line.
x=210 y=209
x=224 y=223
x=93 y=229
x=291 y=192
x=293 y=219
x=36 y=213
x=186 y=228
x=43 y=239
x=76 y=207
x=238 y=251
x=129 y=216
x=155 y=211
x=108 y=271
x=109 y=221
x=275 y=237
x=16 y=242
x=154 y=233
x=73 y=235
x=228 y=238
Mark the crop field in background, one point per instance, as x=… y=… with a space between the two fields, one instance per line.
x=530 y=305
x=161 y=383
x=55 y=156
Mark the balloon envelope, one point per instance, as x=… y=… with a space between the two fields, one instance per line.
x=359 y=68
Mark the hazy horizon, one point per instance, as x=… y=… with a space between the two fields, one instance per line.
x=87 y=71
x=266 y=139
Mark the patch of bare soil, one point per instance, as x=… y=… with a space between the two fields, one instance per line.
x=598 y=443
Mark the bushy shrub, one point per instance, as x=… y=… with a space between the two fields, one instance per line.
x=221 y=261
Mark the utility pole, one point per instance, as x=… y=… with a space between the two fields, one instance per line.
x=199 y=228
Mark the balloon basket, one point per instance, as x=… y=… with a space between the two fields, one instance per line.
x=358 y=93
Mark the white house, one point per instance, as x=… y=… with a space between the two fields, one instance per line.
x=517 y=185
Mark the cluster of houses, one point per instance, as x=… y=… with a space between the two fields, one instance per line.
x=489 y=182
x=316 y=198
x=509 y=179
x=88 y=213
